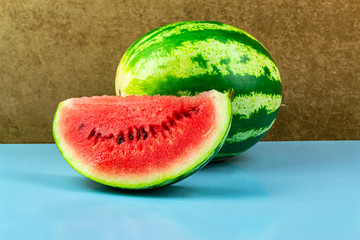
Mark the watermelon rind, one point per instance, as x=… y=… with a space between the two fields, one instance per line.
x=199 y=159
x=186 y=58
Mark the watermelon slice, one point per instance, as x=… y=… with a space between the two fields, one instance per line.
x=141 y=142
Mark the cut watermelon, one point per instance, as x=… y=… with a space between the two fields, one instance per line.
x=140 y=142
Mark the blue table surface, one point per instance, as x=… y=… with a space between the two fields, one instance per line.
x=276 y=190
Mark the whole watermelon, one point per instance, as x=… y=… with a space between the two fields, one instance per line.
x=186 y=58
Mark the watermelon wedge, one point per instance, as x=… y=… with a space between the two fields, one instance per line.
x=141 y=142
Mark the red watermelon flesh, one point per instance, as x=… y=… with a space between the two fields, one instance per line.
x=141 y=141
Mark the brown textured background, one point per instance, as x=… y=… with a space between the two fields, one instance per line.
x=53 y=50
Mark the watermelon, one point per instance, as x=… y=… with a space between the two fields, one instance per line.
x=141 y=142
x=186 y=58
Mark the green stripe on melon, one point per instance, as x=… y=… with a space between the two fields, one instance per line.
x=190 y=57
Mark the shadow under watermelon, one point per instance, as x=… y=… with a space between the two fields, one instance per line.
x=225 y=179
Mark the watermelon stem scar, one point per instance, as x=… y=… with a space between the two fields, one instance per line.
x=141 y=142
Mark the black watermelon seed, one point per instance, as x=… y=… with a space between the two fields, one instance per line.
x=152 y=129
x=170 y=120
x=92 y=133
x=130 y=134
x=177 y=115
x=164 y=126
x=138 y=134
x=142 y=130
x=120 y=139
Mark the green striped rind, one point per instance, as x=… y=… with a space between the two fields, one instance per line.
x=190 y=57
x=235 y=149
x=201 y=156
x=178 y=33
